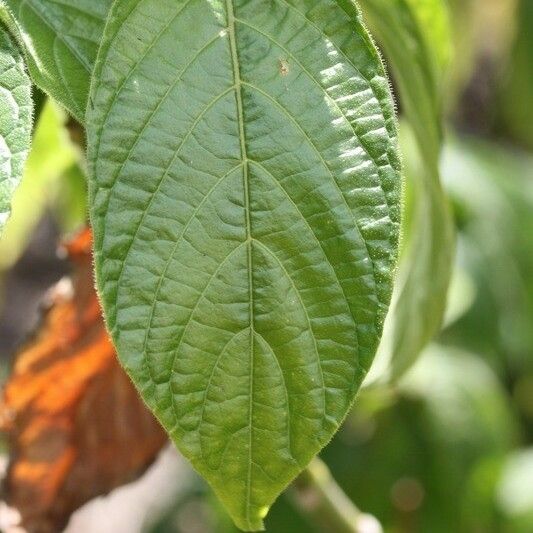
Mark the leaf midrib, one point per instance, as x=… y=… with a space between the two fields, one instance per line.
x=230 y=13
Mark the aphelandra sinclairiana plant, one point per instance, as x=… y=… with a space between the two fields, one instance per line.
x=245 y=198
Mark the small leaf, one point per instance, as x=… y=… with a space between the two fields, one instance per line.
x=245 y=200
x=16 y=109
x=60 y=40
x=416 y=39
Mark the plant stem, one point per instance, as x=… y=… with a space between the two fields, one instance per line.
x=317 y=494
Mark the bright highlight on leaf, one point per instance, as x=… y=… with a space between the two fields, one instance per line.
x=245 y=203
x=15 y=121
x=416 y=38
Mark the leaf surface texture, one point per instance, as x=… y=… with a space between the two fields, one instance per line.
x=245 y=202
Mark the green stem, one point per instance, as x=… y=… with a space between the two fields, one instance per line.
x=316 y=493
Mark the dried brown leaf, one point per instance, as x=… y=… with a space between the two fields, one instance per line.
x=76 y=426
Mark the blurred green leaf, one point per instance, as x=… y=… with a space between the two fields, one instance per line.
x=499 y=495
x=482 y=33
x=69 y=203
x=410 y=461
x=461 y=295
x=492 y=192
x=514 y=492
x=416 y=39
x=469 y=408
x=60 y=40
x=514 y=106
x=51 y=155
x=478 y=511
x=471 y=424
x=16 y=109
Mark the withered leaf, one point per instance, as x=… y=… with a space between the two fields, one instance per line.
x=76 y=426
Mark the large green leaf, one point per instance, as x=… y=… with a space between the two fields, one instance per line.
x=16 y=109
x=60 y=40
x=245 y=201
x=416 y=39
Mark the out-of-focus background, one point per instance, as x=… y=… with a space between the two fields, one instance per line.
x=449 y=448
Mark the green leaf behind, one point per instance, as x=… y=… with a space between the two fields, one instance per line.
x=51 y=156
x=416 y=39
x=60 y=40
x=16 y=109
x=245 y=203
